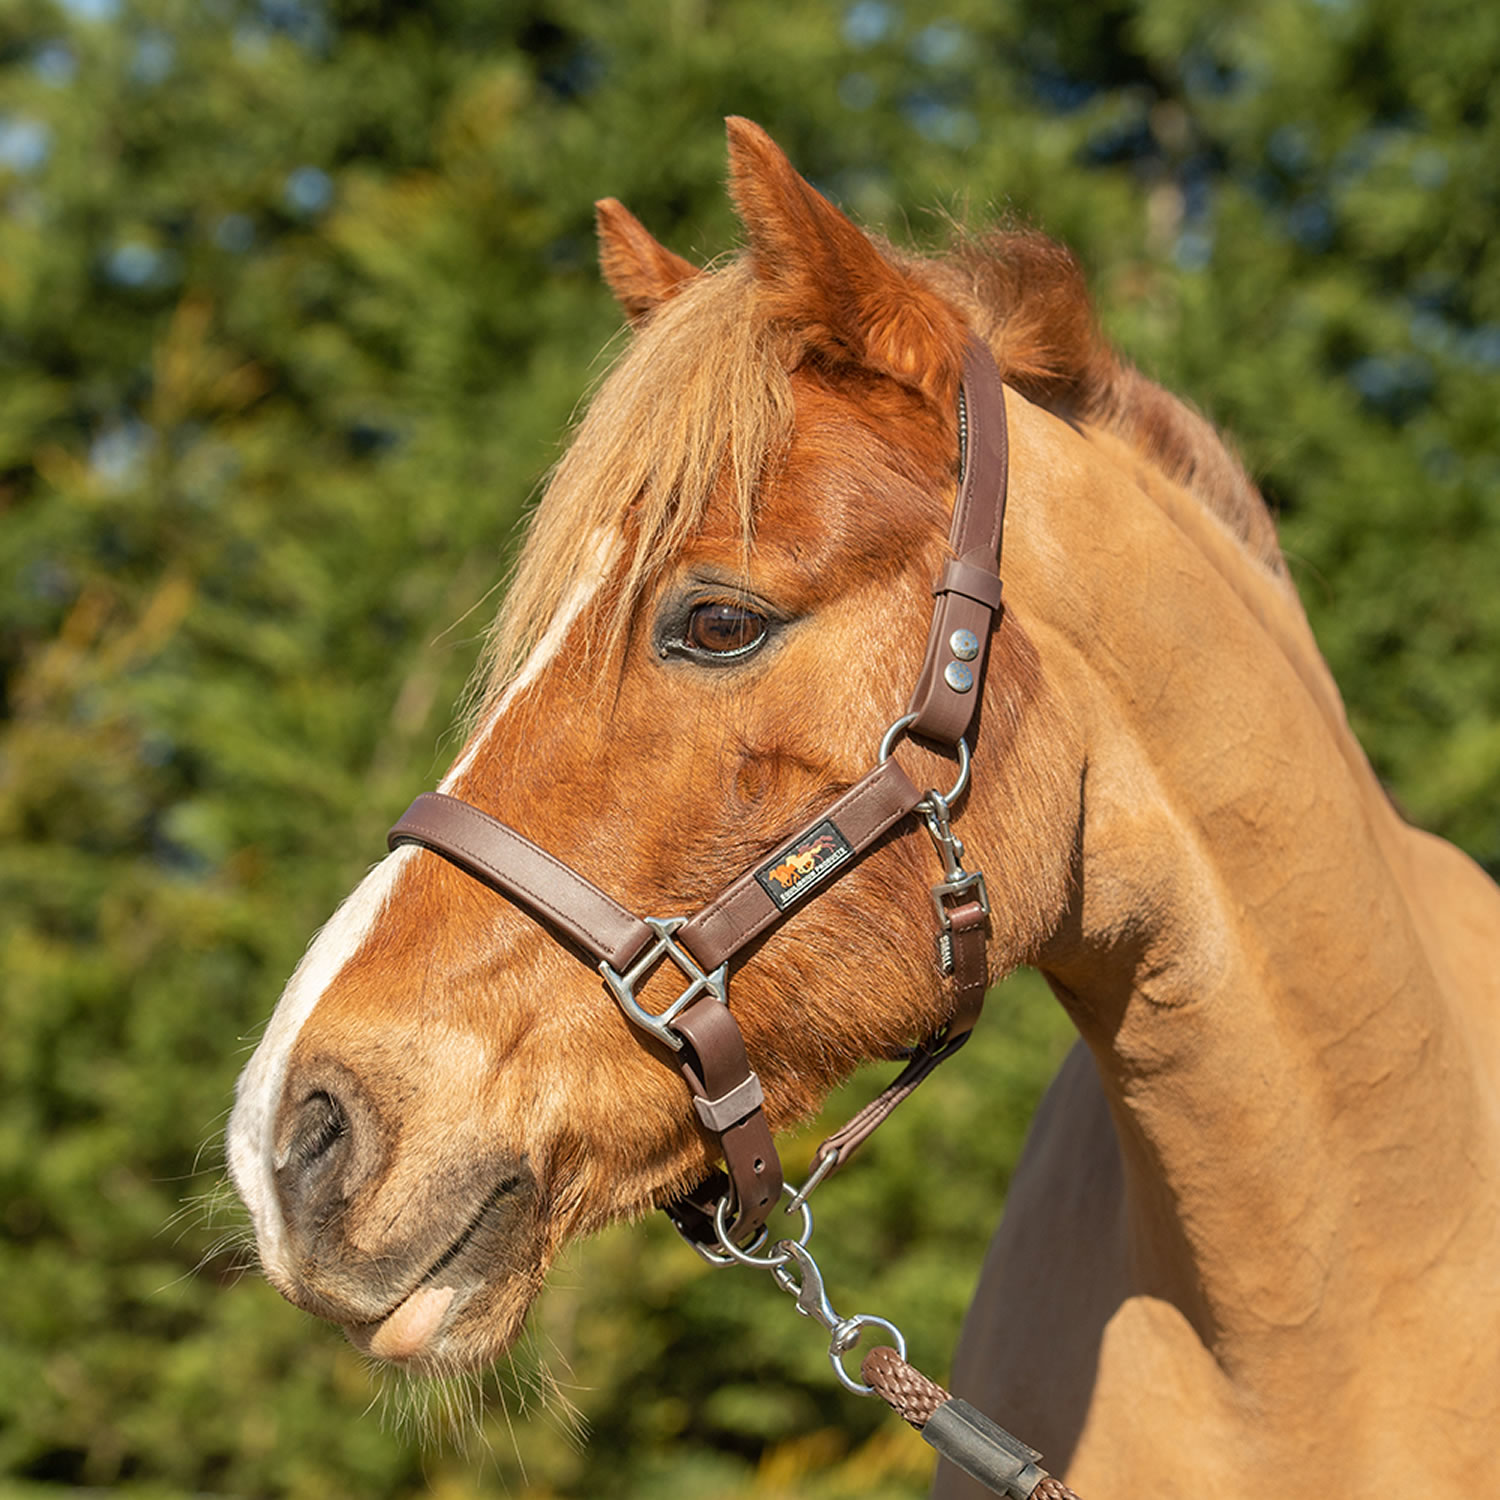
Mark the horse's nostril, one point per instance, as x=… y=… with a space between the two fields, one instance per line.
x=317 y=1152
x=321 y=1125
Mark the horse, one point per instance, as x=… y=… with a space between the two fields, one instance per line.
x=1253 y=1244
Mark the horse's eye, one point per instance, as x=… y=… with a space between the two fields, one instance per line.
x=724 y=629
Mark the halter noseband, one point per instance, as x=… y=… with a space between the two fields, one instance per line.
x=698 y=1026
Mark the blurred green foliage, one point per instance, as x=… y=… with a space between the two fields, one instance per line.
x=296 y=300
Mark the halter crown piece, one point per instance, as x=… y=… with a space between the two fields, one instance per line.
x=699 y=1026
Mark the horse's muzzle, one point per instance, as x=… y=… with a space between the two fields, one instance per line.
x=392 y=1254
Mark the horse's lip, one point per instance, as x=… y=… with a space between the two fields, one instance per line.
x=464 y=1240
x=409 y=1329
x=405 y=1331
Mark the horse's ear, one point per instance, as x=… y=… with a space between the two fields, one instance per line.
x=829 y=278
x=641 y=273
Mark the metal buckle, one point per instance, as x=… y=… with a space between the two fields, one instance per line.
x=666 y=946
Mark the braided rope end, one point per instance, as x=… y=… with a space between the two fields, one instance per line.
x=1052 y=1489
x=905 y=1389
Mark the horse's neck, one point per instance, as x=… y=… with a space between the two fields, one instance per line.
x=1252 y=950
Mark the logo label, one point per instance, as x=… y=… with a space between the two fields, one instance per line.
x=792 y=872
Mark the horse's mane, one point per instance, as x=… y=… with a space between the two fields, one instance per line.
x=1026 y=294
x=701 y=400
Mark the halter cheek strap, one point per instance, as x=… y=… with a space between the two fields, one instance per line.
x=698 y=1026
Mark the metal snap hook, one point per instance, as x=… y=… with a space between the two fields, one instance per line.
x=843 y=1333
x=821 y=1168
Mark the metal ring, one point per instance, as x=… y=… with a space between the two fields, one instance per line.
x=894 y=733
x=846 y=1337
x=712 y=1256
x=748 y=1257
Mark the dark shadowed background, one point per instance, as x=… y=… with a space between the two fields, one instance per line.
x=296 y=300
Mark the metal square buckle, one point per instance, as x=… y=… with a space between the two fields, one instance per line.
x=962 y=884
x=622 y=986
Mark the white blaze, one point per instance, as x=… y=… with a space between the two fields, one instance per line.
x=251 y=1143
x=251 y=1146
x=606 y=547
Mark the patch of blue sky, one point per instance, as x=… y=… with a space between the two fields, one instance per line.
x=118 y=454
x=308 y=190
x=867 y=22
x=91 y=10
x=155 y=56
x=54 y=63
x=25 y=144
x=940 y=43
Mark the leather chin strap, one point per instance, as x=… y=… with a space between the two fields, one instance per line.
x=698 y=1026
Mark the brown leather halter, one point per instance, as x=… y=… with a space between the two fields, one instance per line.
x=698 y=1026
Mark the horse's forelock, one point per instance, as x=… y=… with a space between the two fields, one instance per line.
x=696 y=408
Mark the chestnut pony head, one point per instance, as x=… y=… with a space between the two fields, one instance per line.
x=722 y=605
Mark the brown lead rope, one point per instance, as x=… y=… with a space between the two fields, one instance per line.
x=959 y=1432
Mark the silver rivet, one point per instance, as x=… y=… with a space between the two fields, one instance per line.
x=964 y=644
x=959 y=677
